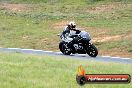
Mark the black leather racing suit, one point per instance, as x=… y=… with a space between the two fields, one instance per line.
x=70 y=33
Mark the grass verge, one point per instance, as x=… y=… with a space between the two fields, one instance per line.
x=29 y=71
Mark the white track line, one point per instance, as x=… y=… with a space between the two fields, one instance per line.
x=125 y=58
x=106 y=56
x=116 y=57
x=27 y=49
x=58 y=52
x=54 y=52
x=12 y=48
x=37 y=50
x=48 y=51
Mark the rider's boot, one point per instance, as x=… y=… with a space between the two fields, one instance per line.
x=70 y=45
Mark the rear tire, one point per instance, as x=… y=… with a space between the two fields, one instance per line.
x=92 y=50
x=64 y=49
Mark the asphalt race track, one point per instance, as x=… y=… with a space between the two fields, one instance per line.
x=75 y=56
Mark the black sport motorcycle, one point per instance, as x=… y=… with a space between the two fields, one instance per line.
x=82 y=45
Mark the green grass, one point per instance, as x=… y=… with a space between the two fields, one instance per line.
x=34 y=27
x=63 y=1
x=117 y=44
x=16 y=28
x=29 y=71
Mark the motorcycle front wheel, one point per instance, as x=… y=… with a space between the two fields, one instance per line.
x=92 y=50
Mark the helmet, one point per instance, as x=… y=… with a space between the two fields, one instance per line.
x=72 y=25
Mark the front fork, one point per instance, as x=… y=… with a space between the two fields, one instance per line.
x=87 y=46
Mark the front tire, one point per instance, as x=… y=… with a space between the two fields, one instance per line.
x=92 y=50
x=64 y=49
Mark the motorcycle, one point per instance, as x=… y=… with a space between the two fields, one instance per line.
x=82 y=46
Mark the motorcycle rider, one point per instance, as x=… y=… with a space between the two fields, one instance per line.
x=70 y=34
